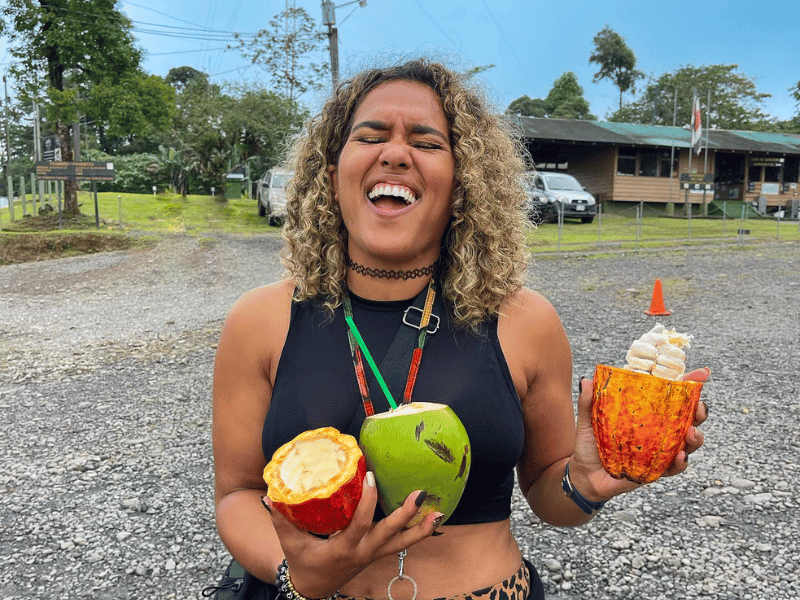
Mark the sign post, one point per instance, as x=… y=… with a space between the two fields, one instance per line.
x=696 y=181
x=77 y=171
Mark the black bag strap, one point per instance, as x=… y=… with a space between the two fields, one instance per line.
x=396 y=363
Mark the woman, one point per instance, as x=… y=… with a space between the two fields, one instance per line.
x=405 y=177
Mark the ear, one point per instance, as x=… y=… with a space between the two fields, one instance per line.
x=334 y=176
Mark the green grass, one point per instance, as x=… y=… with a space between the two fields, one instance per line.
x=196 y=215
x=622 y=231
x=164 y=213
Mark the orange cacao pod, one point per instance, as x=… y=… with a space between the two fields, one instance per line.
x=640 y=421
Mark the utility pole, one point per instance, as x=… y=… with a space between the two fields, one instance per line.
x=329 y=20
x=8 y=144
x=10 y=187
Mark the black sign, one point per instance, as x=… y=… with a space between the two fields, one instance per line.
x=75 y=171
x=697 y=177
x=766 y=162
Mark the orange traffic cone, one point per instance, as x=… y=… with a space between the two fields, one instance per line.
x=657 y=304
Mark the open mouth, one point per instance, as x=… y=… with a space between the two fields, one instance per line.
x=395 y=195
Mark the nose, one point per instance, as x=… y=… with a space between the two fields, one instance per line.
x=395 y=154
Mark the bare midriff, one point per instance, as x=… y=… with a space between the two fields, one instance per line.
x=463 y=559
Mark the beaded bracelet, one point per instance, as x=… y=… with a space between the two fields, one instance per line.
x=284 y=583
x=585 y=505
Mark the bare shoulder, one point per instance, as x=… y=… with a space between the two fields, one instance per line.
x=532 y=338
x=529 y=312
x=257 y=325
x=262 y=301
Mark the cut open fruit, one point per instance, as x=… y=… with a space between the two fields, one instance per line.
x=640 y=421
x=316 y=480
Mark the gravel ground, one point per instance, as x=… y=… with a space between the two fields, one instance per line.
x=105 y=457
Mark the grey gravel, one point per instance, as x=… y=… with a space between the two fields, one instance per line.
x=105 y=457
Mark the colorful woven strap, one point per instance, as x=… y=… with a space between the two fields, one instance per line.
x=358 y=361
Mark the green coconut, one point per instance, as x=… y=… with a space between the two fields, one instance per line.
x=418 y=446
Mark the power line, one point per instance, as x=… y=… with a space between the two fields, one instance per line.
x=187 y=51
x=69 y=16
x=439 y=27
x=163 y=14
x=505 y=39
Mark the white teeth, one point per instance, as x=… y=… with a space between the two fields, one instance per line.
x=383 y=189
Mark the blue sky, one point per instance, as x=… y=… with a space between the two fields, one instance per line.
x=530 y=42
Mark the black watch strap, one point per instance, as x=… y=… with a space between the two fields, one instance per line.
x=585 y=505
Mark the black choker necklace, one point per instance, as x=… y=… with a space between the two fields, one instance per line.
x=384 y=274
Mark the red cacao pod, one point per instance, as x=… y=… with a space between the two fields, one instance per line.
x=316 y=480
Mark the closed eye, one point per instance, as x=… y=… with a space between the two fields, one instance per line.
x=428 y=145
x=366 y=139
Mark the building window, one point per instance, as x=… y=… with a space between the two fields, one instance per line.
x=754 y=174
x=648 y=163
x=772 y=174
x=663 y=164
x=791 y=169
x=626 y=161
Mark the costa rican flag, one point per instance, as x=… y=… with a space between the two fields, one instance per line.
x=697 y=127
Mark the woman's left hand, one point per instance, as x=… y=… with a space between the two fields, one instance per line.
x=586 y=470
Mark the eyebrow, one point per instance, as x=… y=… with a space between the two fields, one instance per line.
x=383 y=126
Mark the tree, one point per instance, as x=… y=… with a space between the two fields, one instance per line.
x=616 y=60
x=528 y=107
x=284 y=50
x=78 y=57
x=134 y=107
x=735 y=101
x=179 y=77
x=216 y=130
x=793 y=125
x=565 y=101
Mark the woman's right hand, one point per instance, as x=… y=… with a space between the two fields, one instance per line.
x=319 y=567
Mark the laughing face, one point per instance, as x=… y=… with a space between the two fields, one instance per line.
x=394 y=177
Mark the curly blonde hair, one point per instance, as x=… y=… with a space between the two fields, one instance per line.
x=483 y=257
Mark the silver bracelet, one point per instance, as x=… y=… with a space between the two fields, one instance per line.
x=284 y=583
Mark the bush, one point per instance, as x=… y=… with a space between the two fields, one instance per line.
x=133 y=173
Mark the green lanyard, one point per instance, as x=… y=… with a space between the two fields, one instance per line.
x=357 y=345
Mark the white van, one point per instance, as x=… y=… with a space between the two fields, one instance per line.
x=272 y=194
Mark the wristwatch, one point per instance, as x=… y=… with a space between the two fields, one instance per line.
x=585 y=505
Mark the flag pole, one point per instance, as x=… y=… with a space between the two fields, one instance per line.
x=708 y=122
x=705 y=160
x=687 y=207
x=672 y=151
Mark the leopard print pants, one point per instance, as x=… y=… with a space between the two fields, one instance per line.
x=516 y=587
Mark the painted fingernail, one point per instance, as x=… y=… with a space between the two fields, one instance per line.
x=437 y=521
x=580 y=384
x=706 y=406
x=371 y=479
x=437 y=533
x=421 y=498
x=267 y=506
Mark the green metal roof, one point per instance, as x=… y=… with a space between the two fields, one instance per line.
x=636 y=134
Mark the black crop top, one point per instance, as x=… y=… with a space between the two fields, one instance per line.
x=316 y=386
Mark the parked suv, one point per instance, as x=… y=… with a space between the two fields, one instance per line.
x=538 y=208
x=564 y=192
x=272 y=194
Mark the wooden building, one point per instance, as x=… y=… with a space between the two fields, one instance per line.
x=627 y=162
